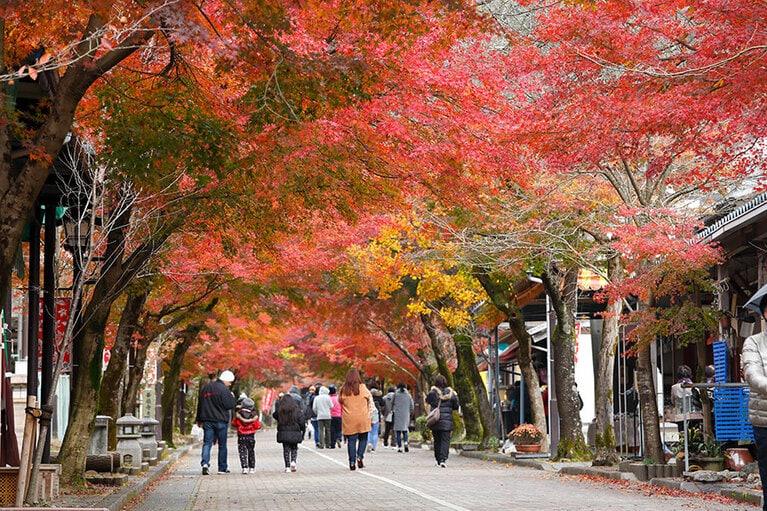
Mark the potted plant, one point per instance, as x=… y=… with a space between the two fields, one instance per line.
x=706 y=452
x=526 y=438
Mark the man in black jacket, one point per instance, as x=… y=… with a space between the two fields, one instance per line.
x=213 y=417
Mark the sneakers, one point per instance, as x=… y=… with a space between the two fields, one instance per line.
x=287 y=470
x=338 y=443
x=227 y=471
x=399 y=449
x=292 y=466
x=352 y=466
x=407 y=449
x=205 y=470
x=244 y=470
x=442 y=464
x=360 y=464
x=370 y=447
x=253 y=470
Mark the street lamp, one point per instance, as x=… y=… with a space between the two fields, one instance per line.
x=77 y=231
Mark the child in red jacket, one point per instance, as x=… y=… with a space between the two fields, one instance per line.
x=247 y=424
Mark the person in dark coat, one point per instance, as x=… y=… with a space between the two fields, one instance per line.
x=291 y=426
x=442 y=396
x=213 y=414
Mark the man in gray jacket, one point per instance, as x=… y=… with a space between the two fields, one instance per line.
x=754 y=362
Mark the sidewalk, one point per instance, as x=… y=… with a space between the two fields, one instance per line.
x=184 y=479
x=735 y=491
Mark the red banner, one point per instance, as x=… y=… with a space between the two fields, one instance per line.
x=62 y=306
x=268 y=400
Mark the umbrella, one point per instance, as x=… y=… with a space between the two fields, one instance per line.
x=754 y=301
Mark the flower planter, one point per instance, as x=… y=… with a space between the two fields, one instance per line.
x=528 y=447
x=716 y=464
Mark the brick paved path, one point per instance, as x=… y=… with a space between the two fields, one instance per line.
x=394 y=481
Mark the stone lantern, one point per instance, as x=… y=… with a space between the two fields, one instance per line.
x=128 y=434
x=148 y=439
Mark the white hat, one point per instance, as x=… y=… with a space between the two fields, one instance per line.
x=227 y=376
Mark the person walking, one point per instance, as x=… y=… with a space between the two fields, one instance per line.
x=335 y=418
x=402 y=408
x=321 y=406
x=213 y=414
x=357 y=408
x=291 y=427
x=246 y=423
x=375 y=420
x=754 y=363
x=388 y=402
x=311 y=415
x=442 y=396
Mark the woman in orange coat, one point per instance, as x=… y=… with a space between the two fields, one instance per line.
x=357 y=405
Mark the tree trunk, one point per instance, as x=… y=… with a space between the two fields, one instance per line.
x=135 y=374
x=116 y=274
x=653 y=448
x=171 y=380
x=436 y=348
x=530 y=375
x=477 y=416
x=74 y=447
x=571 y=445
x=500 y=291
x=606 y=453
x=111 y=397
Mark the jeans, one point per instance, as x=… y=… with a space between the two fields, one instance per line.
x=760 y=438
x=355 y=446
x=373 y=436
x=401 y=436
x=215 y=431
x=316 y=429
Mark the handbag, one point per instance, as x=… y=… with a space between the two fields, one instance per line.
x=433 y=416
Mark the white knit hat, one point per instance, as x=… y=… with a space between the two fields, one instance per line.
x=227 y=376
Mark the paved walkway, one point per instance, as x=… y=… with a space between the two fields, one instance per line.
x=397 y=481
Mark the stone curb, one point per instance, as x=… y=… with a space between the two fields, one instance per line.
x=505 y=458
x=597 y=472
x=746 y=495
x=118 y=500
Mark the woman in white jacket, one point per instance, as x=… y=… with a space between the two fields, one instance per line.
x=754 y=362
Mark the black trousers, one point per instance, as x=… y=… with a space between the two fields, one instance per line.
x=441 y=445
x=760 y=438
x=388 y=434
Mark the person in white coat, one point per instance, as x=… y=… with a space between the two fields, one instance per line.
x=754 y=362
x=321 y=407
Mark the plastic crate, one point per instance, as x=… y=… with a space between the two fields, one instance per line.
x=731 y=414
x=720 y=361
